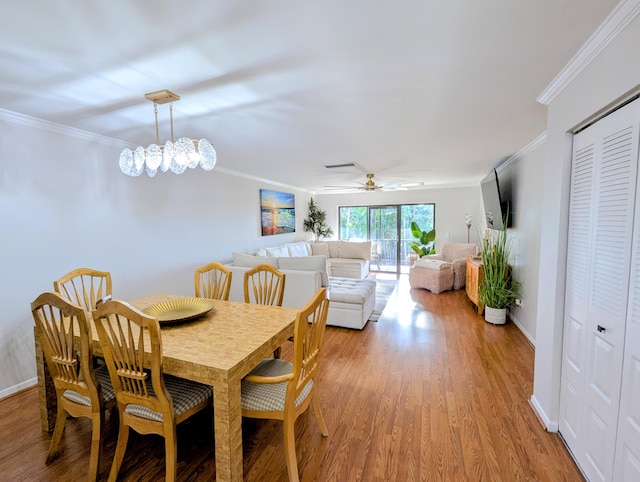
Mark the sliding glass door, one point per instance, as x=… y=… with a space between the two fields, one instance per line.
x=383 y=233
x=389 y=229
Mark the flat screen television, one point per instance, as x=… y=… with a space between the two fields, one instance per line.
x=496 y=206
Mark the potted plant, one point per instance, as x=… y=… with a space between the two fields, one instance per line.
x=316 y=222
x=426 y=240
x=497 y=290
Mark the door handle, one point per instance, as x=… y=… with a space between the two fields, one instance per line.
x=601 y=328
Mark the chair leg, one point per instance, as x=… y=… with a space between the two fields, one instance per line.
x=121 y=447
x=97 y=422
x=277 y=352
x=316 y=409
x=61 y=419
x=290 y=448
x=171 y=452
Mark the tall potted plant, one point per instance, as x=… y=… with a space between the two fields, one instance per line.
x=497 y=290
x=316 y=222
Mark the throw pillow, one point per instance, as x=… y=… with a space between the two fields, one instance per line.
x=277 y=251
x=299 y=249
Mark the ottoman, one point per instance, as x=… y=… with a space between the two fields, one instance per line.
x=433 y=275
x=351 y=302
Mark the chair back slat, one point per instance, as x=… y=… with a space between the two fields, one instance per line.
x=264 y=285
x=213 y=281
x=308 y=336
x=58 y=323
x=132 y=348
x=84 y=286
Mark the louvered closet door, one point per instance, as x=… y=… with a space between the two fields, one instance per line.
x=594 y=332
x=577 y=290
x=627 y=458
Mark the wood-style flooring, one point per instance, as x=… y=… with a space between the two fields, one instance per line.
x=429 y=392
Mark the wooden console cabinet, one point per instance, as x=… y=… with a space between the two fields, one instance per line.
x=474 y=277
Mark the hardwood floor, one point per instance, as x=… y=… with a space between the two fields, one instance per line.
x=429 y=392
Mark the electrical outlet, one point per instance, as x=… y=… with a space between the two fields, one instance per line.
x=518 y=302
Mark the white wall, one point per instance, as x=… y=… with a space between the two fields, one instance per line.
x=65 y=204
x=525 y=171
x=451 y=206
x=608 y=78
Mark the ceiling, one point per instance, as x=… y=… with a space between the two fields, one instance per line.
x=434 y=92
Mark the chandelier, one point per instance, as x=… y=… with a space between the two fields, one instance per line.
x=173 y=156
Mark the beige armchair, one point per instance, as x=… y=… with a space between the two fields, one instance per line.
x=456 y=254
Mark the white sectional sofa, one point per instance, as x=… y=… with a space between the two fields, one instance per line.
x=352 y=298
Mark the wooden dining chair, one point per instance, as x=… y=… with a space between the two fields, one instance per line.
x=81 y=391
x=264 y=285
x=213 y=281
x=281 y=390
x=84 y=286
x=148 y=400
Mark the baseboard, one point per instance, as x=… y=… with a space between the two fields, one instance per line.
x=16 y=388
x=549 y=425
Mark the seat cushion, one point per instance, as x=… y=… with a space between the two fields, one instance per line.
x=102 y=374
x=270 y=397
x=433 y=264
x=350 y=290
x=184 y=393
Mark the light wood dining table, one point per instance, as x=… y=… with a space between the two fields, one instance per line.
x=217 y=349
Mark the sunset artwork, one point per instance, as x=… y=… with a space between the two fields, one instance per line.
x=277 y=212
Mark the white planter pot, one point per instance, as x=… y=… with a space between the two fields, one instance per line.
x=497 y=316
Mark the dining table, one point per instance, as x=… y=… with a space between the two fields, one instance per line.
x=218 y=349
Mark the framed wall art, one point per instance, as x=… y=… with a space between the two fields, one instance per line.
x=277 y=212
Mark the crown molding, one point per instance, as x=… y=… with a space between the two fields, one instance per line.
x=534 y=144
x=615 y=23
x=34 y=122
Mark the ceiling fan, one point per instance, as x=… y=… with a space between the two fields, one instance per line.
x=369 y=185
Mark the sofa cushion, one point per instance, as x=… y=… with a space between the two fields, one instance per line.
x=306 y=263
x=260 y=252
x=355 y=249
x=320 y=249
x=348 y=267
x=334 y=248
x=248 y=260
x=299 y=249
x=277 y=251
x=433 y=264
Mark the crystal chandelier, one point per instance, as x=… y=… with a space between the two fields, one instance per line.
x=174 y=156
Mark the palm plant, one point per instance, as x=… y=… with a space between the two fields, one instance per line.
x=426 y=240
x=316 y=222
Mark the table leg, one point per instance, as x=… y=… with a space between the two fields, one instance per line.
x=227 y=416
x=46 y=390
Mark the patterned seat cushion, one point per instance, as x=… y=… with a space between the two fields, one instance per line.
x=270 y=397
x=102 y=374
x=184 y=393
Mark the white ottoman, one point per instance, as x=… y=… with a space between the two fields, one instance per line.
x=351 y=302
